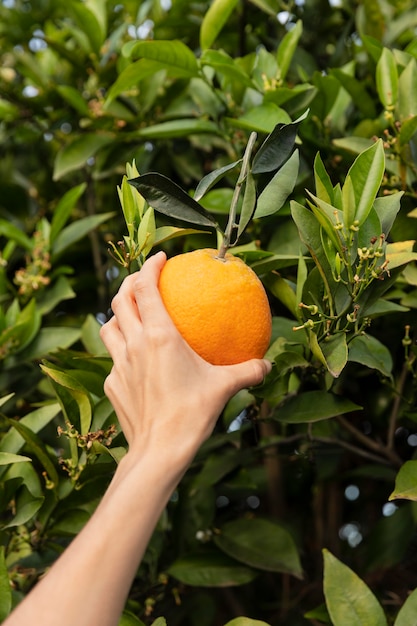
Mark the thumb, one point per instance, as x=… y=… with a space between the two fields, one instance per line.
x=248 y=373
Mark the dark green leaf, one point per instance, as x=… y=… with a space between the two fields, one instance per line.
x=77 y=230
x=348 y=599
x=248 y=204
x=75 y=154
x=276 y=148
x=63 y=209
x=369 y=351
x=279 y=188
x=313 y=406
x=406 y=482
x=168 y=198
x=335 y=352
x=212 y=178
x=261 y=544
x=211 y=569
x=5 y=587
x=172 y=53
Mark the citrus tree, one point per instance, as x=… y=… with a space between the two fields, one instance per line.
x=285 y=134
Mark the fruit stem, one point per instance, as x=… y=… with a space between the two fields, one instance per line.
x=231 y=224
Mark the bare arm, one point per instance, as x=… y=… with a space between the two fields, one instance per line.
x=167 y=400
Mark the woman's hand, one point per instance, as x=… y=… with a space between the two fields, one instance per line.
x=166 y=397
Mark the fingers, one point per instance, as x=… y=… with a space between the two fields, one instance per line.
x=248 y=373
x=148 y=299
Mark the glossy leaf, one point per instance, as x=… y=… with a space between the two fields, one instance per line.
x=261 y=544
x=276 y=148
x=349 y=600
x=168 y=198
x=313 y=406
x=211 y=569
x=287 y=48
x=387 y=79
x=172 y=53
x=36 y=446
x=276 y=192
x=75 y=154
x=77 y=230
x=369 y=351
x=63 y=210
x=406 y=482
x=214 y=20
x=335 y=352
x=366 y=176
x=208 y=181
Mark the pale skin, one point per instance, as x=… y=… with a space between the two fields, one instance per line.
x=167 y=400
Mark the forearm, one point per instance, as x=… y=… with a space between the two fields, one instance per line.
x=104 y=557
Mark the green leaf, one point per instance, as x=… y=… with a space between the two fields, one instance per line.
x=369 y=351
x=248 y=204
x=146 y=231
x=75 y=154
x=324 y=187
x=366 y=176
x=408 y=130
x=211 y=569
x=225 y=66
x=407 y=94
x=89 y=25
x=11 y=232
x=77 y=391
x=387 y=79
x=387 y=208
x=245 y=621
x=165 y=233
x=214 y=20
x=335 y=352
x=77 y=230
x=261 y=544
x=279 y=188
x=261 y=119
x=36 y=446
x=349 y=600
x=57 y=292
x=287 y=47
x=400 y=253
x=50 y=339
x=74 y=98
x=406 y=482
x=168 y=198
x=26 y=508
x=177 y=128
x=131 y=77
x=7 y=458
x=276 y=148
x=170 y=54
x=313 y=406
x=407 y=615
x=357 y=89
x=5 y=587
x=212 y=178
x=63 y=210
x=129 y=619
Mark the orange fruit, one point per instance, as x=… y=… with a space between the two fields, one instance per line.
x=218 y=305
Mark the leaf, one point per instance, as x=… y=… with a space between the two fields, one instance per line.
x=261 y=119
x=165 y=233
x=131 y=77
x=88 y=24
x=287 y=47
x=177 y=128
x=368 y=351
x=168 y=198
x=387 y=208
x=313 y=406
x=400 y=253
x=77 y=230
x=279 y=188
x=248 y=204
x=75 y=154
x=226 y=66
x=211 y=569
x=36 y=446
x=212 y=178
x=170 y=54
x=261 y=544
x=214 y=20
x=324 y=187
x=129 y=619
x=146 y=231
x=77 y=391
x=11 y=232
x=245 y=621
x=48 y=340
x=7 y=458
x=407 y=615
x=335 y=352
x=349 y=600
x=387 y=79
x=5 y=587
x=63 y=210
x=406 y=482
x=366 y=177
x=276 y=148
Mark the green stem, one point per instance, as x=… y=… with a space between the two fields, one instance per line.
x=231 y=224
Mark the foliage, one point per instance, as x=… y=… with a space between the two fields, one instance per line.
x=313 y=471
